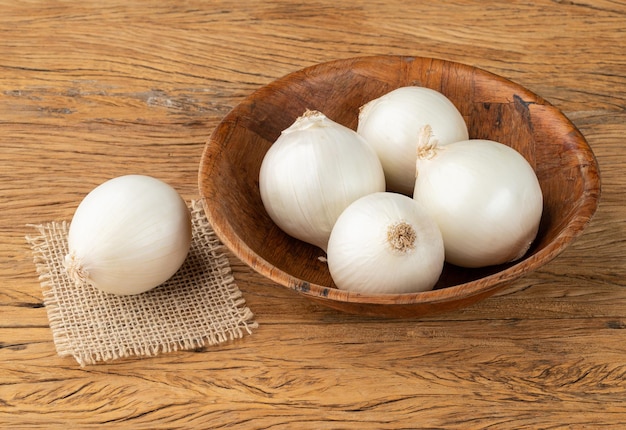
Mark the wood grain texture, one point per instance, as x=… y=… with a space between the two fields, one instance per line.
x=92 y=90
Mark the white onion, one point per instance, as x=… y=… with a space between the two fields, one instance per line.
x=385 y=243
x=128 y=235
x=485 y=198
x=313 y=171
x=392 y=125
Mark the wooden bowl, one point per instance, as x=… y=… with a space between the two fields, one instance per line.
x=493 y=107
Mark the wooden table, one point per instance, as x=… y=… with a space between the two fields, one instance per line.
x=92 y=90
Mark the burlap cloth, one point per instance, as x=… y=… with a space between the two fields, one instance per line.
x=200 y=305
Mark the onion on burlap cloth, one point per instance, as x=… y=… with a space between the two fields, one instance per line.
x=200 y=305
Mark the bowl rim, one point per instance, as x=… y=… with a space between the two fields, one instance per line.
x=590 y=194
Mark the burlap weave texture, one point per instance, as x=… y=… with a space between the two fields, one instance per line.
x=200 y=305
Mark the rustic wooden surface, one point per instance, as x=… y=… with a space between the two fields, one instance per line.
x=92 y=90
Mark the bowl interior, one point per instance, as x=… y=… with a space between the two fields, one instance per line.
x=493 y=107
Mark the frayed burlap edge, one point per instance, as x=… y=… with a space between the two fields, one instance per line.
x=199 y=306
